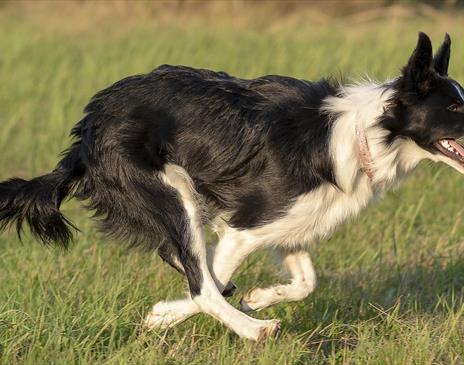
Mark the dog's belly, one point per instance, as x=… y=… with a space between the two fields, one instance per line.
x=313 y=217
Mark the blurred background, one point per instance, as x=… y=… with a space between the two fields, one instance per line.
x=64 y=51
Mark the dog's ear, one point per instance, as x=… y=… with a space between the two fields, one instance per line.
x=418 y=73
x=441 y=58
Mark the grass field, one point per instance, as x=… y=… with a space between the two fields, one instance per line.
x=390 y=283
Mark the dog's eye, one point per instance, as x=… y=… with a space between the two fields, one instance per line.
x=454 y=107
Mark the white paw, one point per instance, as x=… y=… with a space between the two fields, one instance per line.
x=162 y=317
x=255 y=300
x=272 y=330
x=260 y=330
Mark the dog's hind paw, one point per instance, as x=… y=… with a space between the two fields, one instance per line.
x=254 y=300
x=159 y=321
x=271 y=331
x=162 y=317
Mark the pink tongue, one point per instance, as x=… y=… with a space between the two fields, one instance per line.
x=456 y=146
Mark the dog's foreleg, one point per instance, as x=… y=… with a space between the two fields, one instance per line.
x=210 y=301
x=303 y=282
x=229 y=288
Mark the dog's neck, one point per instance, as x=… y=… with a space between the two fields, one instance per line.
x=364 y=154
x=358 y=140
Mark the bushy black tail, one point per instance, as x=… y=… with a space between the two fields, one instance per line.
x=37 y=201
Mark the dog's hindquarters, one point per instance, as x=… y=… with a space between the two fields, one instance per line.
x=135 y=201
x=162 y=207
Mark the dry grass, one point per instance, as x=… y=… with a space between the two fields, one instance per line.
x=86 y=15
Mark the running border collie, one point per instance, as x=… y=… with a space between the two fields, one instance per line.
x=270 y=162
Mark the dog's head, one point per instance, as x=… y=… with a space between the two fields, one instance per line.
x=428 y=106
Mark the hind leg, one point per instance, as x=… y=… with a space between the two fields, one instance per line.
x=167 y=253
x=192 y=254
x=228 y=254
x=302 y=283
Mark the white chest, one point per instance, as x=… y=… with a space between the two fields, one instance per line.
x=313 y=217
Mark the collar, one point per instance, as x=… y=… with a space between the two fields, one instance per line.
x=365 y=157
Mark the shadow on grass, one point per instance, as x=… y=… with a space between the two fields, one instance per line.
x=326 y=322
x=346 y=300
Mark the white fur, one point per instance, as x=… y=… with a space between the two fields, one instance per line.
x=303 y=282
x=231 y=250
x=355 y=106
x=361 y=106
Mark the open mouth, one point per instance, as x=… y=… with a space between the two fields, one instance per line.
x=451 y=148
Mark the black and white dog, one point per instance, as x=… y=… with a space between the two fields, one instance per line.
x=270 y=162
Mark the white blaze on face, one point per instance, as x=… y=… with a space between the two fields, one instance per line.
x=460 y=92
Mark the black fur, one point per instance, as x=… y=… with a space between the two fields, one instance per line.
x=441 y=58
x=37 y=201
x=121 y=187
x=250 y=146
x=421 y=107
x=232 y=136
x=418 y=73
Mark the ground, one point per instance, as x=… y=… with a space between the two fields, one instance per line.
x=390 y=283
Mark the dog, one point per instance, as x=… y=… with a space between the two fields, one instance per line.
x=273 y=162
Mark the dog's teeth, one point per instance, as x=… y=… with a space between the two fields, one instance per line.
x=446 y=144
x=451 y=149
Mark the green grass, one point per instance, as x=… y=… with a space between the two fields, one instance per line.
x=390 y=283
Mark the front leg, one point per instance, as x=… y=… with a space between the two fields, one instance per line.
x=224 y=260
x=303 y=282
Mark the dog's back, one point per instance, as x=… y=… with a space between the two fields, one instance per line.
x=249 y=146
